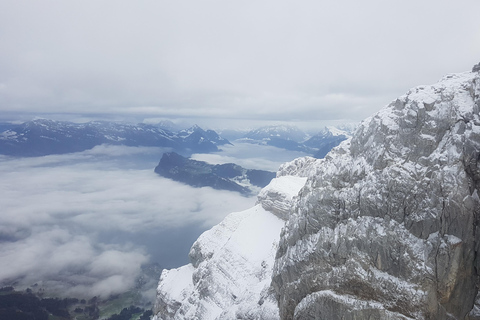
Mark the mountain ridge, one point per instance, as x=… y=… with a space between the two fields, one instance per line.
x=227 y=176
x=293 y=139
x=401 y=186
x=385 y=227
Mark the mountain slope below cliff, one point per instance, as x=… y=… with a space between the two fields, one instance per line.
x=231 y=265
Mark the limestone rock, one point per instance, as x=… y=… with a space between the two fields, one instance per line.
x=476 y=67
x=387 y=226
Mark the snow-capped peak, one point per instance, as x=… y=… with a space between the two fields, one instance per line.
x=337 y=132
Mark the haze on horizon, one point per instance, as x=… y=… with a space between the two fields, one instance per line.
x=277 y=61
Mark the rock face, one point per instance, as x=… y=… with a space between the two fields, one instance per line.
x=387 y=227
x=279 y=197
x=476 y=67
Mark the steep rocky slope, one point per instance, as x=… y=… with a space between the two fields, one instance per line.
x=385 y=227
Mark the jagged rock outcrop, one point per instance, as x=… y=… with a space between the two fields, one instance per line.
x=387 y=227
x=278 y=197
x=476 y=67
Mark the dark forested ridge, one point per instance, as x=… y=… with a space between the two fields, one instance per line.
x=201 y=174
x=16 y=305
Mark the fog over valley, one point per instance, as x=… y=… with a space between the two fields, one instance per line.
x=85 y=223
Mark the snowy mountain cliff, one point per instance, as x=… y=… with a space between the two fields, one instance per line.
x=386 y=226
x=231 y=265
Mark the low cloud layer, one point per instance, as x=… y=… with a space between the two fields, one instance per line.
x=84 y=223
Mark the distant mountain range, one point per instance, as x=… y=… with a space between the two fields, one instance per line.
x=44 y=137
x=292 y=138
x=235 y=178
x=228 y=176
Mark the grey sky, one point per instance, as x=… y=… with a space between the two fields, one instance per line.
x=262 y=60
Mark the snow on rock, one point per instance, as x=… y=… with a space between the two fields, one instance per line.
x=327 y=302
x=277 y=197
x=231 y=264
x=390 y=216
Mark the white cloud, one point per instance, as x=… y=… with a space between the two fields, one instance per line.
x=81 y=218
x=276 y=60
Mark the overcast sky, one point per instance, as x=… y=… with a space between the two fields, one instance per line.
x=256 y=60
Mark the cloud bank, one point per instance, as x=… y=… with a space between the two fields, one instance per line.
x=85 y=223
x=270 y=60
